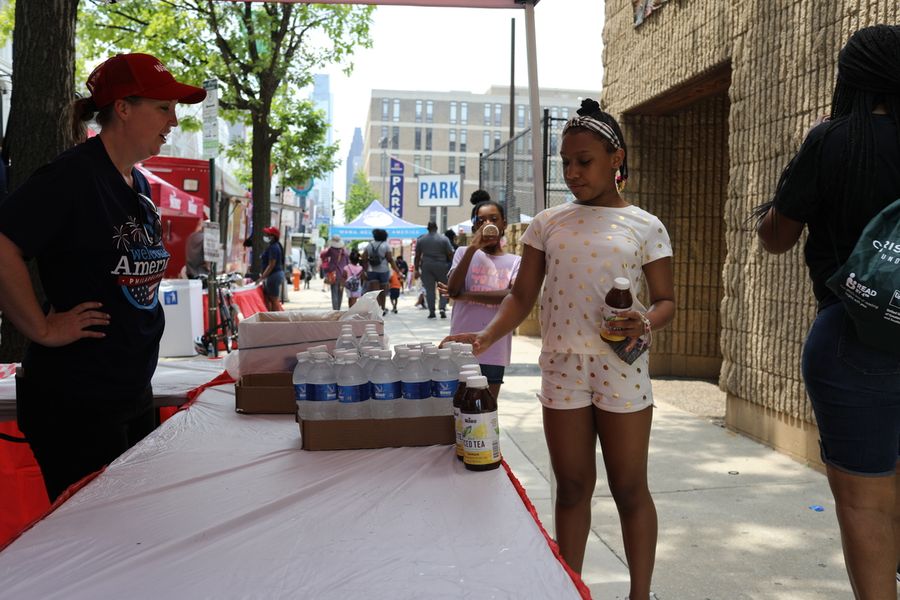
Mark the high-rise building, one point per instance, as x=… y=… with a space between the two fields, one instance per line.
x=444 y=133
x=354 y=159
x=321 y=195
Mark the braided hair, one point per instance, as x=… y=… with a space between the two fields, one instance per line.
x=591 y=109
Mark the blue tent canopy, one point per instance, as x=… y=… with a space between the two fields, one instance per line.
x=377 y=217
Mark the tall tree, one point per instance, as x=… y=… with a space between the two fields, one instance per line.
x=360 y=196
x=262 y=53
x=43 y=89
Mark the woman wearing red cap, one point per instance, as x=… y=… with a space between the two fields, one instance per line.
x=86 y=217
x=272 y=276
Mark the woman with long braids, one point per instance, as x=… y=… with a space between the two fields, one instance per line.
x=846 y=171
x=587 y=391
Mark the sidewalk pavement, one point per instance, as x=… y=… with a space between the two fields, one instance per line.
x=734 y=516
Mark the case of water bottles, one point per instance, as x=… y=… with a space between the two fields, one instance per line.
x=365 y=396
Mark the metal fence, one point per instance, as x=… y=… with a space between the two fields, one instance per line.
x=507 y=172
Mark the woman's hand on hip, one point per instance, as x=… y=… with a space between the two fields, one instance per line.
x=70 y=326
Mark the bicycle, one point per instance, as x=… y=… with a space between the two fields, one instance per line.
x=224 y=328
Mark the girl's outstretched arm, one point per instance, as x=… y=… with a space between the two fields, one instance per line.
x=515 y=306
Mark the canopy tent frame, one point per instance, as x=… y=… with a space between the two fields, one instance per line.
x=531 y=51
x=377 y=216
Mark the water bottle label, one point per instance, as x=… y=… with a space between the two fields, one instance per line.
x=322 y=392
x=300 y=392
x=352 y=393
x=386 y=391
x=481 y=438
x=416 y=390
x=444 y=389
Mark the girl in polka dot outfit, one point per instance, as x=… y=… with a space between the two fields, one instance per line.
x=588 y=393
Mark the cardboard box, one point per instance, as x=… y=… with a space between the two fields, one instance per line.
x=265 y=393
x=270 y=341
x=377 y=433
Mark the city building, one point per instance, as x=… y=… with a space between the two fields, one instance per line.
x=445 y=133
x=321 y=196
x=354 y=159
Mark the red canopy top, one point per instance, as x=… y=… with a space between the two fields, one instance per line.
x=173 y=201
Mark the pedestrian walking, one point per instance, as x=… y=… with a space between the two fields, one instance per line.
x=480 y=277
x=587 y=391
x=380 y=260
x=845 y=173
x=433 y=256
x=84 y=394
x=272 y=276
x=334 y=260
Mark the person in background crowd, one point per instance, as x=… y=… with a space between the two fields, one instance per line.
x=433 y=256
x=334 y=259
x=394 y=285
x=480 y=278
x=587 y=391
x=354 y=277
x=404 y=270
x=272 y=276
x=84 y=394
x=451 y=235
x=309 y=270
x=380 y=260
x=845 y=173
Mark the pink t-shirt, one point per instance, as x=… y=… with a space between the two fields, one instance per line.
x=486 y=273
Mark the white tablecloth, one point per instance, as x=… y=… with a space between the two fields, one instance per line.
x=219 y=505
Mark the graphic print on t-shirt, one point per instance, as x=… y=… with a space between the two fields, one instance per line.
x=141 y=264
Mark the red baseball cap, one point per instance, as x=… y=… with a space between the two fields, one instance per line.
x=137 y=74
x=274 y=231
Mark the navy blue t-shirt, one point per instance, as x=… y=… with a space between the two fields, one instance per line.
x=275 y=252
x=94 y=239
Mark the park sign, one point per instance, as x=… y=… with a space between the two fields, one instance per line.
x=440 y=190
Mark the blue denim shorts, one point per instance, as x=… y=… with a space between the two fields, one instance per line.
x=494 y=373
x=855 y=394
x=378 y=276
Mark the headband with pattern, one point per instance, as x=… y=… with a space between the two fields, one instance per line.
x=595 y=125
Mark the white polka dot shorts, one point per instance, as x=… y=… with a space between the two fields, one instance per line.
x=579 y=380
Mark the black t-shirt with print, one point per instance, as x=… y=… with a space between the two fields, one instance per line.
x=94 y=239
x=806 y=195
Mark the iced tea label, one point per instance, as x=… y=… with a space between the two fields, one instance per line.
x=352 y=393
x=300 y=392
x=416 y=390
x=444 y=389
x=386 y=391
x=481 y=438
x=322 y=391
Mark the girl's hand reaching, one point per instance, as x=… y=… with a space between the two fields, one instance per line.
x=478 y=340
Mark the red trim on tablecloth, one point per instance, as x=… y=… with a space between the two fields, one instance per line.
x=554 y=547
x=70 y=491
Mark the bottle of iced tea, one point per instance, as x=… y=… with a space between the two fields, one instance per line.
x=617 y=299
x=481 y=430
x=458 y=399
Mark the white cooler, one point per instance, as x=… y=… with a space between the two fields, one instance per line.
x=182 y=301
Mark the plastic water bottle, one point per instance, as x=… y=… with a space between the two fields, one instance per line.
x=384 y=378
x=429 y=357
x=444 y=375
x=346 y=341
x=415 y=381
x=370 y=338
x=352 y=383
x=321 y=382
x=299 y=376
x=465 y=355
x=401 y=358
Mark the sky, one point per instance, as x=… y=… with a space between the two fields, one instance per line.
x=464 y=49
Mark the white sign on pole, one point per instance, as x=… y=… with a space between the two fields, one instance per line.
x=440 y=190
x=211 y=119
x=211 y=243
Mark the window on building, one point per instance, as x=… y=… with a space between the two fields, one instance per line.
x=520 y=115
x=496 y=140
x=453 y=113
x=463 y=136
x=418 y=111
x=418 y=138
x=554 y=112
x=383 y=140
x=395 y=137
x=487 y=113
x=498 y=114
x=451 y=134
x=428 y=168
x=428 y=137
x=429 y=111
x=462 y=165
x=417 y=162
x=464 y=113
x=385 y=107
x=486 y=141
x=451 y=164
x=396 y=109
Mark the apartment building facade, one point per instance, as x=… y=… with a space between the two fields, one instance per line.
x=445 y=133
